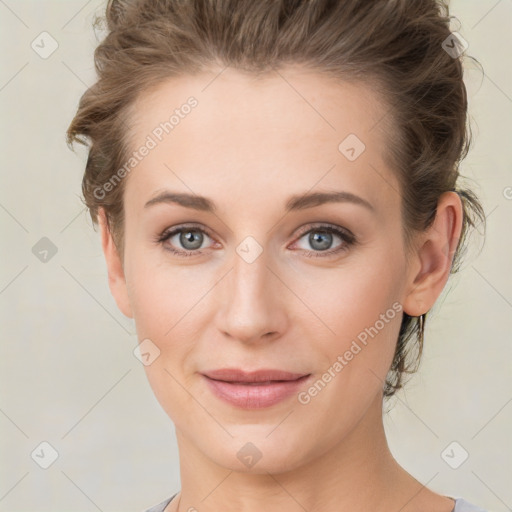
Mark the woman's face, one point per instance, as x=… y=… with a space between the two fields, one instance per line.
x=257 y=280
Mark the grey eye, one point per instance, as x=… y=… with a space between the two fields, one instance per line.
x=320 y=240
x=189 y=239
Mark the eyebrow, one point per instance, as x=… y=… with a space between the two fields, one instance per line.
x=296 y=202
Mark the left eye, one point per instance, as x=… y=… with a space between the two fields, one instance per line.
x=320 y=238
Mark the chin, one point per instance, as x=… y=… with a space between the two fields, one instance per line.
x=257 y=452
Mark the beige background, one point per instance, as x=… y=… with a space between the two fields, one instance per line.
x=68 y=374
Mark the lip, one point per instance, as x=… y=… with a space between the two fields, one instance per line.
x=255 y=389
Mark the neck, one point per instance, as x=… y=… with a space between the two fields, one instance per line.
x=359 y=473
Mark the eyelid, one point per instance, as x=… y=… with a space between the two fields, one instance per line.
x=183 y=227
x=319 y=225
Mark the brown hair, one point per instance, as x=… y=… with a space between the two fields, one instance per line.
x=396 y=46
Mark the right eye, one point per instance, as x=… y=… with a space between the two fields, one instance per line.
x=190 y=238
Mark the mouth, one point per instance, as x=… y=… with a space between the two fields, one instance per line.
x=256 y=389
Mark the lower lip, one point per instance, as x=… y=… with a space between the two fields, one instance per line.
x=255 y=396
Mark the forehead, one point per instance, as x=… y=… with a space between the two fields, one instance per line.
x=286 y=130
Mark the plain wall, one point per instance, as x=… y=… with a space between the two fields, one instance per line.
x=67 y=371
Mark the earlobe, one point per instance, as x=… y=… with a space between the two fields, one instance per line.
x=116 y=276
x=434 y=256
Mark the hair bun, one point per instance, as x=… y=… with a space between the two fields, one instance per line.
x=116 y=13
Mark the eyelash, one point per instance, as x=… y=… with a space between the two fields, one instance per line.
x=347 y=237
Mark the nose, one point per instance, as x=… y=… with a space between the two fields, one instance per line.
x=253 y=301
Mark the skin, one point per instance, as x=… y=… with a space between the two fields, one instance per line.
x=248 y=146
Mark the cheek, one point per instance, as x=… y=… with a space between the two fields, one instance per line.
x=347 y=300
x=167 y=309
x=168 y=304
x=161 y=294
x=360 y=313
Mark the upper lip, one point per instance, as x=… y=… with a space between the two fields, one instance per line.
x=263 y=375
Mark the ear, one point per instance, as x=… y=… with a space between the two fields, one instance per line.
x=432 y=260
x=116 y=277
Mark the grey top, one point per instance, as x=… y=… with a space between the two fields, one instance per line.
x=460 y=506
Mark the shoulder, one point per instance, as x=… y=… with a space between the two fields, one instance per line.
x=461 y=505
x=160 y=507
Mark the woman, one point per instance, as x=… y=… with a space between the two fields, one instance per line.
x=276 y=184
